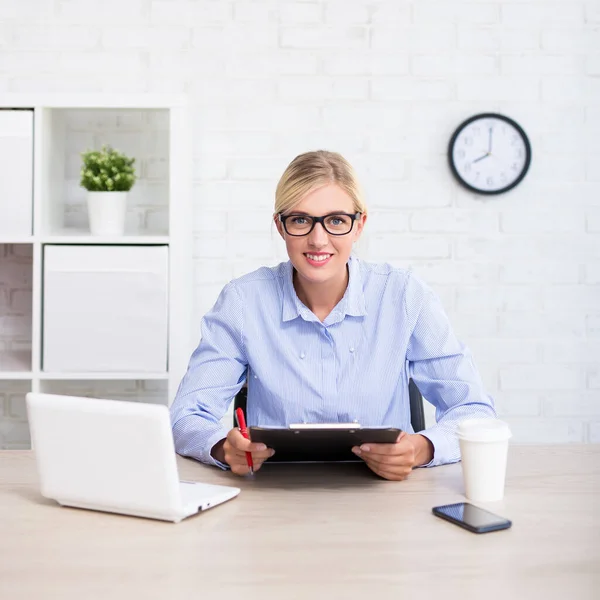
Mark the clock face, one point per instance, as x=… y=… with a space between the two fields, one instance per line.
x=489 y=153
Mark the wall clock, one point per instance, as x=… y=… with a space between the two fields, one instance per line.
x=489 y=153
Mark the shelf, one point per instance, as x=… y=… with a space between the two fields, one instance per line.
x=101 y=376
x=15 y=375
x=76 y=236
x=79 y=236
x=94 y=100
x=5 y=239
x=153 y=128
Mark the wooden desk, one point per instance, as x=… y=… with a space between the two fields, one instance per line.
x=314 y=532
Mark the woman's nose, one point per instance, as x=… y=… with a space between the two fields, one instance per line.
x=318 y=236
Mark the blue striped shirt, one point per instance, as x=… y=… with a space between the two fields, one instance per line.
x=354 y=366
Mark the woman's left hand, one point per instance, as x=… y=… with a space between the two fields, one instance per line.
x=396 y=461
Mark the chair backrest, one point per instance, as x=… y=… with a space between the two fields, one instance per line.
x=417 y=414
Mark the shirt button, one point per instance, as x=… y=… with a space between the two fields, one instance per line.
x=351 y=349
x=256 y=377
x=302 y=355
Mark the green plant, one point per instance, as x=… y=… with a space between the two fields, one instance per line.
x=107 y=170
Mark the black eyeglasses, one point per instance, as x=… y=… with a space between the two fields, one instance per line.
x=334 y=224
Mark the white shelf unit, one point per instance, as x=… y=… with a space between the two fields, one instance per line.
x=155 y=129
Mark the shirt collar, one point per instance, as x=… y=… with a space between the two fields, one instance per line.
x=351 y=304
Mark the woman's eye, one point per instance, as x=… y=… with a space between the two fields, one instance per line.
x=298 y=220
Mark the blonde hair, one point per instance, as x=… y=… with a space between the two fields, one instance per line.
x=312 y=170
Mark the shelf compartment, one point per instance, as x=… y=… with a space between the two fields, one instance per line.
x=15 y=365
x=16 y=273
x=140 y=133
x=14 y=427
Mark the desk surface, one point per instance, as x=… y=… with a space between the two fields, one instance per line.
x=314 y=531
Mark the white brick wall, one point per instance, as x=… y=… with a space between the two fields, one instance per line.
x=16 y=273
x=385 y=82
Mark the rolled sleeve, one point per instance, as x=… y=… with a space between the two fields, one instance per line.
x=444 y=450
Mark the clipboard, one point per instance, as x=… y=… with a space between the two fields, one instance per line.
x=320 y=442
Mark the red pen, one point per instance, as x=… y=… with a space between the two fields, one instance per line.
x=241 y=421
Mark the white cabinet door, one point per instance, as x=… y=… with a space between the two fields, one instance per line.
x=16 y=172
x=105 y=308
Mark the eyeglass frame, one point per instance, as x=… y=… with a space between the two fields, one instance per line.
x=355 y=217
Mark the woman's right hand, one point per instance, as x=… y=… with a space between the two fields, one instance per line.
x=233 y=452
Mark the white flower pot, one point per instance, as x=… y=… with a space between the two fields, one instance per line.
x=106 y=211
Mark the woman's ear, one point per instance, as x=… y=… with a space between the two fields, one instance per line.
x=360 y=224
x=279 y=226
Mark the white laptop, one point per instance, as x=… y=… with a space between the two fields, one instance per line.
x=113 y=456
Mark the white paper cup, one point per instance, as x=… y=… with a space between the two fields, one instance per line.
x=484 y=450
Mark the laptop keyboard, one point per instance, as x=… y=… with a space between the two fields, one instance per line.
x=197 y=493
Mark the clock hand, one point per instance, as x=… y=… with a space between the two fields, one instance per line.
x=481 y=158
x=490 y=142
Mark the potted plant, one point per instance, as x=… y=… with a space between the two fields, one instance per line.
x=108 y=175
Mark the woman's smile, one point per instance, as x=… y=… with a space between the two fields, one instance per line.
x=318 y=259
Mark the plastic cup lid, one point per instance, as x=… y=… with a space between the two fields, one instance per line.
x=483 y=430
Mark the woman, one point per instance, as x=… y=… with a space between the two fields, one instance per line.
x=326 y=337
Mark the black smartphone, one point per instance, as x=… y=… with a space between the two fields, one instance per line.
x=471 y=517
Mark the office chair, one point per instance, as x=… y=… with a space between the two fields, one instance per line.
x=417 y=414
